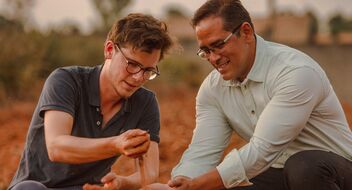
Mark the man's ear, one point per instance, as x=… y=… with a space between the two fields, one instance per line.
x=108 y=49
x=247 y=31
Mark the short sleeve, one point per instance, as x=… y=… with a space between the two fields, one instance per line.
x=58 y=93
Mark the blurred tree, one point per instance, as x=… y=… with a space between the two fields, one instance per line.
x=336 y=25
x=19 y=10
x=313 y=27
x=173 y=11
x=109 y=11
x=68 y=28
x=268 y=33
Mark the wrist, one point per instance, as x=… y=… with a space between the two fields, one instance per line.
x=114 y=146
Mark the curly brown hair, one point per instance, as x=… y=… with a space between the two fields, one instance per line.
x=142 y=32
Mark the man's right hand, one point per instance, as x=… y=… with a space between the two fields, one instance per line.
x=133 y=143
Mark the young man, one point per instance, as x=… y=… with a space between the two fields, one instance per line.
x=88 y=116
x=275 y=97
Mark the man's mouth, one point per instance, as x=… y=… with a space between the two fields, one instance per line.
x=221 y=67
x=130 y=85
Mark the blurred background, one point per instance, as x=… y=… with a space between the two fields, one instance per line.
x=37 y=36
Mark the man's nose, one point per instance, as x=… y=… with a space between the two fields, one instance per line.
x=214 y=58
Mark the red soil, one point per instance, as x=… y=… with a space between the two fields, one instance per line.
x=177 y=124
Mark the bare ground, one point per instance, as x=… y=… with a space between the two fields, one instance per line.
x=177 y=124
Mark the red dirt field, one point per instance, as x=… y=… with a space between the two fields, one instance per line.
x=177 y=124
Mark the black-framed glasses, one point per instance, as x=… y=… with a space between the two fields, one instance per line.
x=204 y=52
x=149 y=73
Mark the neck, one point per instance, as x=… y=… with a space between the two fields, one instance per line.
x=108 y=94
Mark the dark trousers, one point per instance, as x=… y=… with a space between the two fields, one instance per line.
x=34 y=185
x=306 y=170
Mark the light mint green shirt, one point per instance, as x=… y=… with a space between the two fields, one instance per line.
x=285 y=105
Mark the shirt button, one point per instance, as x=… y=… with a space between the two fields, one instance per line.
x=253 y=112
x=98 y=123
x=98 y=109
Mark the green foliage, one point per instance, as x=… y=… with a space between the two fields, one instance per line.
x=26 y=58
x=339 y=24
x=180 y=69
x=109 y=11
x=313 y=26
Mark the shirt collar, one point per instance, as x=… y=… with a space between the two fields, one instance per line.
x=93 y=86
x=258 y=70
x=94 y=92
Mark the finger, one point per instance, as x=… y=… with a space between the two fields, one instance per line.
x=110 y=185
x=135 y=132
x=139 y=150
x=136 y=141
x=92 y=187
x=173 y=183
x=108 y=177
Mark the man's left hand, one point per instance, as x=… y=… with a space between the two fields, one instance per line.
x=110 y=182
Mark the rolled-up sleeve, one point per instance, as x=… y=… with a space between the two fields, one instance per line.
x=295 y=94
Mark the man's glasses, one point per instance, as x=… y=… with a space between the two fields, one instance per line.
x=149 y=73
x=204 y=52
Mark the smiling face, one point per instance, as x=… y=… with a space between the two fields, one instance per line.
x=115 y=79
x=235 y=58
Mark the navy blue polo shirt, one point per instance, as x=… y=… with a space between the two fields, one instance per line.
x=75 y=90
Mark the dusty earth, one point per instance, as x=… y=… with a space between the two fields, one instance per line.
x=177 y=124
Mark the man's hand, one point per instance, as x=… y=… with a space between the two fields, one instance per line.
x=110 y=182
x=180 y=183
x=133 y=143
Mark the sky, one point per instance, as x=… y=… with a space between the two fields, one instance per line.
x=47 y=13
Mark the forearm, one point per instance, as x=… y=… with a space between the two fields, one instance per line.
x=70 y=149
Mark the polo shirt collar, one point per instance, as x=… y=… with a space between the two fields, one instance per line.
x=93 y=86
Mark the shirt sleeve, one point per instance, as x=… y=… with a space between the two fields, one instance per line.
x=211 y=136
x=59 y=93
x=150 y=120
x=295 y=94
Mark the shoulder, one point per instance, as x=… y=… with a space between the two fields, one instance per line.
x=70 y=74
x=212 y=82
x=286 y=60
x=143 y=96
x=212 y=86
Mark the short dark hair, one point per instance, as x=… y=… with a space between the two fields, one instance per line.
x=232 y=13
x=142 y=32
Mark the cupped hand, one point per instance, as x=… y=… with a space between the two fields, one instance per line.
x=109 y=182
x=133 y=143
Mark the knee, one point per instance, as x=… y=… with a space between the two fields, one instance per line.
x=29 y=185
x=303 y=168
